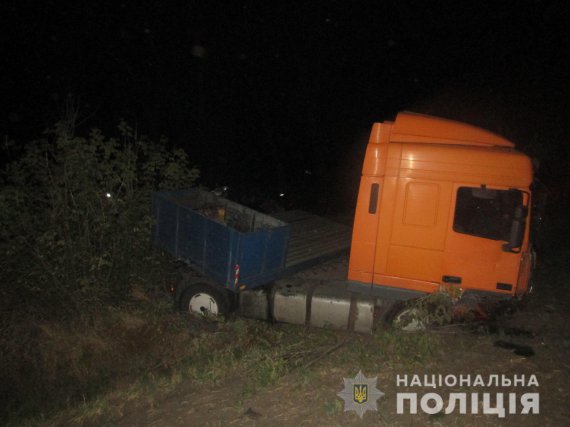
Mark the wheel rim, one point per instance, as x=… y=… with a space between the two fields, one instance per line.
x=409 y=320
x=204 y=304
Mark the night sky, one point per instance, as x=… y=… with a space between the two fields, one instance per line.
x=272 y=96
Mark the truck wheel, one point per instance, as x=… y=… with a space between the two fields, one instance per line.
x=409 y=319
x=205 y=300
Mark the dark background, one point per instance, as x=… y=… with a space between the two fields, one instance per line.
x=277 y=97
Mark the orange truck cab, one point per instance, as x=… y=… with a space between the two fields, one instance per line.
x=442 y=204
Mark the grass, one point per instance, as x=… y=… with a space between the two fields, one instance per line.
x=333 y=407
x=102 y=363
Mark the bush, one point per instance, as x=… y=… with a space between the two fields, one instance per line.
x=74 y=243
x=74 y=217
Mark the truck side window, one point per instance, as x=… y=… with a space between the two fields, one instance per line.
x=486 y=213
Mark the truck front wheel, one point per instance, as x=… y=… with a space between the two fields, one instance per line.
x=205 y=300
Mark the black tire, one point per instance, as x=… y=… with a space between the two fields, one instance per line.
x=205 y=299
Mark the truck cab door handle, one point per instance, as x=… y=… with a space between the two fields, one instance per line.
x=456 y=280
x=373 y=205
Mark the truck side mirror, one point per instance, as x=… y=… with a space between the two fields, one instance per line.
x=518 y=226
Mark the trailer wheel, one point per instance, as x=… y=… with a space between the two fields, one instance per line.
x=205 y=300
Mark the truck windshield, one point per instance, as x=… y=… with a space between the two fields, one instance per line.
x=486 y=213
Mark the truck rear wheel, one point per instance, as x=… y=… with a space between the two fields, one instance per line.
x=205 y=300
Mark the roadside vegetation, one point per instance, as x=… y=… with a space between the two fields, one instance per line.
x=245 y=357
x=76 y=265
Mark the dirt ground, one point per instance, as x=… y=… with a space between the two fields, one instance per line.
x=309 y=396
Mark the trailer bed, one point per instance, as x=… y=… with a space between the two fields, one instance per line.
x=223 y=240
x=312 y=239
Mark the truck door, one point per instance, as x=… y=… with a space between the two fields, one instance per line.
x=476 y=252
x=365 y=230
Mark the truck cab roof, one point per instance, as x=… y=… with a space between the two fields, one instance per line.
x=432 y=148
x=420 y=128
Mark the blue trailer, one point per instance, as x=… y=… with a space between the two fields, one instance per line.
x=231 y=248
